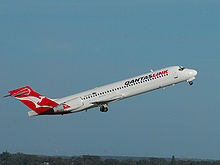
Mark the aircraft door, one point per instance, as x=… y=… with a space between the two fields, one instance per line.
x=175 y=75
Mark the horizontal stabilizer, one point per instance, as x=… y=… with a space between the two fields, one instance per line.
x=7 y=96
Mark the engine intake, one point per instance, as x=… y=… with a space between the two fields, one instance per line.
x=59 y=108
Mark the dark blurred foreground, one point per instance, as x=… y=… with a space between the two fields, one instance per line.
x=7 y=158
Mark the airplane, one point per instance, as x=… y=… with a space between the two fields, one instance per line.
x=102 y=96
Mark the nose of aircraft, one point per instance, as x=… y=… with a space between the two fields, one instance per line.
x=193 y=73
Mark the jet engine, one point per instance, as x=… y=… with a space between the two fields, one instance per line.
x=104 y=107
x=59 y=108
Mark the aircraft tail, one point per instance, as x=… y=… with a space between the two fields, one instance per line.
x=35 y=101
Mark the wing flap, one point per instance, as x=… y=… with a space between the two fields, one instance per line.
x=109 y=100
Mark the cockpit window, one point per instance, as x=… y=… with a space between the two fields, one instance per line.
x=181 y=68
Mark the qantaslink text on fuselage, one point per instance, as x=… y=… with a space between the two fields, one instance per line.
x=146 y=77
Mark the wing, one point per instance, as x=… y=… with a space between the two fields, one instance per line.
x=108 y=100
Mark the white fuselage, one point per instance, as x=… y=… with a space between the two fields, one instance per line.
x=127 y=88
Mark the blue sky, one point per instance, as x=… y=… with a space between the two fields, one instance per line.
x=64 y=47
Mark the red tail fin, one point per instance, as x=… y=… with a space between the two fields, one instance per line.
x=33 y=100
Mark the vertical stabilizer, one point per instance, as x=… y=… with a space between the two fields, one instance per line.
x=35 y=101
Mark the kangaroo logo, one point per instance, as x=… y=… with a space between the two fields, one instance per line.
x=34 y=100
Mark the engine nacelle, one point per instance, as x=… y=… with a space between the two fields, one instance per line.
x=104 y=108
x=58 y=108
